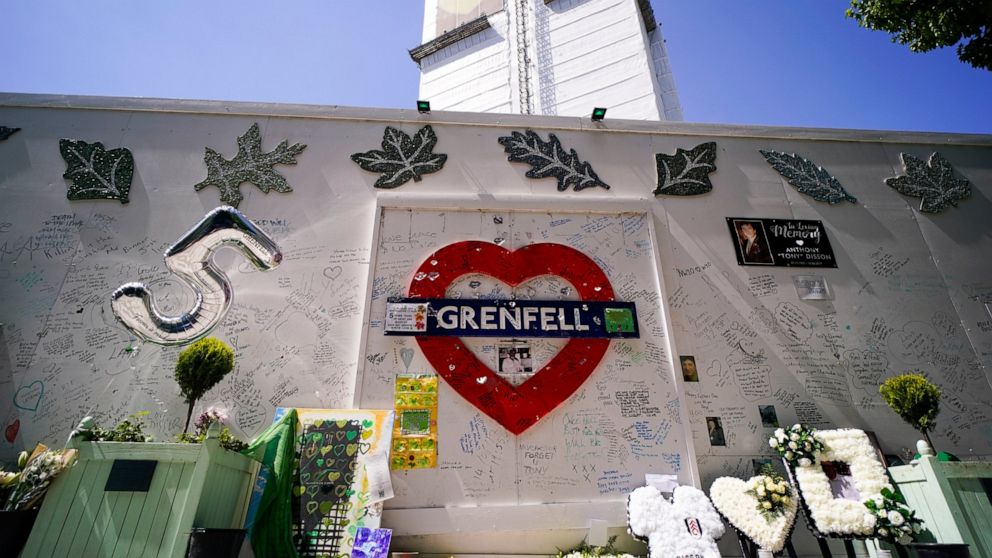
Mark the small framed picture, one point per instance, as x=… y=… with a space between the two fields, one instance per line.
x=714 y=426
x=689 y=372
x=516 y=364
x=769 y=418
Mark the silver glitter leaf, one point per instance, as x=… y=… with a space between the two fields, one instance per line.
x=934 y=182
x=97 y=174
x=6 y=132
x=249 y=165
x=808 y=178
x=549 y=159
x=687 y=173
x=402 y=157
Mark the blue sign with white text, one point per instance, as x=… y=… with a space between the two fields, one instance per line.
x=511 y=318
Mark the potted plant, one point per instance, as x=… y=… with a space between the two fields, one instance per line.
x=915 y=399
x=21 y=492
x=200 y=367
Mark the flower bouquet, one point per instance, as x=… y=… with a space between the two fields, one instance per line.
x=24 y=489
x=895 y=522
x=798 y=445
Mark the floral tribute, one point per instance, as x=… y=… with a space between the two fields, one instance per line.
x=896 y=522
x=770 y=495
x=586 y=550
x=797 y=445
x=24 y=489
x=688 y=526
x=835 y=503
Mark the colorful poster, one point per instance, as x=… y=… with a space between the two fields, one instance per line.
x=332 y=497
x=415 y=430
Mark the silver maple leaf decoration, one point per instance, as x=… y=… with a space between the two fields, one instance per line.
x=549 y=159
x=95 y=172
x=807 y=177
x=934 y=182
x=402 y=157
x=687 y=173
x=249 y=165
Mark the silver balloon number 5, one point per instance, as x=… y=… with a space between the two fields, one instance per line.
x=191 y=258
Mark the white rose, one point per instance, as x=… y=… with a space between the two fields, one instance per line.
x=779 y=432
x=883 y=531
x=896 y=518
x=797 y=427
x=773 y=442
x=766 y=505
x=789 y=455
x=760 y=491
x=785 y=500
x=794 y=437
x=805 y=462
x=808 y=446
x=793 y=446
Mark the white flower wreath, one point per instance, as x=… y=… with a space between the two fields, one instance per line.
x=836 y=516
x=730 y=496
x=686 y=527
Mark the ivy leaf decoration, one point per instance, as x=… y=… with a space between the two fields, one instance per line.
x=687 y=173
x=804 y=175
x=6 y=132
x=549 y=159
x=97 y=174
x=402 y=157
x=249 y=165
x=934 y=182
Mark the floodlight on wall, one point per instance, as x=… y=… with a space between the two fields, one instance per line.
x=423 y=106
x=598 y=114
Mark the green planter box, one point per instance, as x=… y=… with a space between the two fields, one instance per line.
x=951 y=499
x=193 y=485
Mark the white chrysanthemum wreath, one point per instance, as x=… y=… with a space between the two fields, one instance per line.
x=763 y=508
x=687 y=526
x=836 y=516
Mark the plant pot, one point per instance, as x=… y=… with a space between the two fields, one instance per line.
x=215 y=543
x=15 y=526
x=939 y=550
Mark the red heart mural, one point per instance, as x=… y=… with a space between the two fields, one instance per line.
x=516 y=408
x=12 y=430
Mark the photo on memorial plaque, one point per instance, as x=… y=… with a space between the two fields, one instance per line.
x=689 y=372
x=841 y=480
x=516 y=364
x=752 y=242
x=715 y=428
x=768 y=416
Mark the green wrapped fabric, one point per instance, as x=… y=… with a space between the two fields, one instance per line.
x=272 y=534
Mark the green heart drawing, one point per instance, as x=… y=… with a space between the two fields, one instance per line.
x=304 y=477
x=342 y=423
x=366 y=434
x=333 y=476
x=351 y=434
x=320 y=462
x=324 y=450
x=365 y=447
x=300 y=490
x=312 y=507
x=338 y=450
x=366 y=423
x=325 y=507
x=351 y=449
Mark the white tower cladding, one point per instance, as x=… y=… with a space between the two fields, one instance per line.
x=548 y=57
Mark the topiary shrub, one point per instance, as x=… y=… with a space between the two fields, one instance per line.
x=915 y=399
x=200 y=367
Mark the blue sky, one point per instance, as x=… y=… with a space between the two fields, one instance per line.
x=781 y=62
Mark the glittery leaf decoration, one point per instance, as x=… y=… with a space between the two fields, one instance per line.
x=549 y=159
x=402 y=157
x=934 y=182
x=249 y=165
x=97 y=174
x=804 y=175
x=6 y=132
x=687 y=173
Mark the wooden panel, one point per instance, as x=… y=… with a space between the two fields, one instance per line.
x=127 y=533
x=55 y=510
x=142 y=544
x=78 y=523
x=175 y=535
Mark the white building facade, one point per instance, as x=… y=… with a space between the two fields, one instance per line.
x=553 y=58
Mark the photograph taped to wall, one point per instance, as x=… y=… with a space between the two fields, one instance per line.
x=516 y=362
x=714 y=426
x=689 y=371
x=769 y=418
